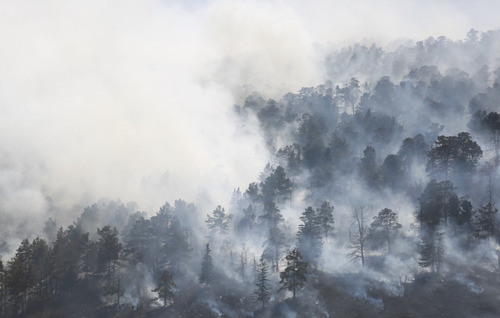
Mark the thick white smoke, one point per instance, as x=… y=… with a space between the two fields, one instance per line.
x=133 y=99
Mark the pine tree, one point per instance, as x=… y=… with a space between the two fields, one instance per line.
x=19 y=276
x=293 y=277
x=309 y=237
x=218 y=222
x=485 y=223
x=3 y=287
x=272 y=218
x=164 y=286
x=262 y=292
x=325 y=220
x=108 y=255
x=206 y=267
x=385 y=226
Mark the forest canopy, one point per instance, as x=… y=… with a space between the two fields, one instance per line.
x=380 y=193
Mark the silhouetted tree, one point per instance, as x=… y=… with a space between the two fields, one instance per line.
x=277 y=187
x=385 y=225
x=325 y=219
x=293 y=277
x=436 y=205
x=368 y=168
x=272 y=218
x=3 y=287
x=218 y=222
x=164 y=286
x=453 y=154
x=392 y=171
x=262 y=292
x=20 y=276
x=206 y=267
x=485 y=222
x=309 y=236
x=108 y=255
x=247 y=222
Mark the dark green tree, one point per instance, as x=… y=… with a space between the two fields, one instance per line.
x=65 y=260
x=139 y=243
x=3 y=287
x=262 y=292
x=20 y=276
x=311 y=141
x=271 y=216
x=492 y=124
x=385 y=226
x=40 y=270
x=453 y=155
x=247 y=222
x=413 y=150
x=252 y=194
x=274 y=246
x=309 y=237
x=277 y=187
x=206 y=267
x=293 y=277
x=392 y=172
x=485 y=222
x=88 y=252
x=368 y=168
x=437 y=203
x=176 y=248
x=108 y=256
x=325 y=219
x=487 y=125
x=218 y=222
x=272 y=219
x=164 y=286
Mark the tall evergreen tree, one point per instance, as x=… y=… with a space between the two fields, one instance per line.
x=3 y=287
x=218 y=222
x=293 y=277
x=277 y=187
x=452 y=155
x=164 y=286
x=485 y=223
x=309 y=236
x=325 y=219
x=385 y=225
x=262 y=292
x=108 y=256
x=206 y=267
x=20 y=276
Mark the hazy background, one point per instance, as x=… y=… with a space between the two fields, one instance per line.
x=133 y=100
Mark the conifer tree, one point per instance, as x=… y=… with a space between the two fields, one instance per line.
x=262 y=292
x=108 y=255
x=309 y=236
x=206 y=267
x=218 y=222
x=325 y=220
x=3 y=287
x=293 y=277
x=164 y=286
x=485 y=223
x=385 y=226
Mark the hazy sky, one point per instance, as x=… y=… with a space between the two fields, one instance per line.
x=133 y=99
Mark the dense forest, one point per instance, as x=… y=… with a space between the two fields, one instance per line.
x=379 y=201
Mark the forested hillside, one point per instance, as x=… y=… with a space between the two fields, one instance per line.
x=379 y=201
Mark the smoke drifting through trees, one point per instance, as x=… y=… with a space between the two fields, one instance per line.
x=405 y=136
